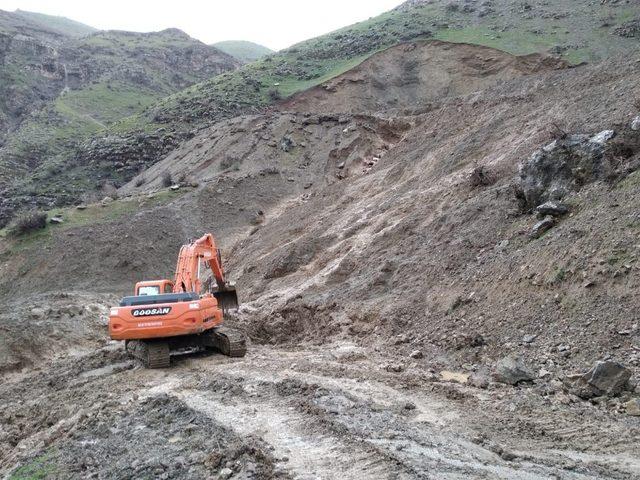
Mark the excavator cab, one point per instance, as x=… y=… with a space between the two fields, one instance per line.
x=154 y=287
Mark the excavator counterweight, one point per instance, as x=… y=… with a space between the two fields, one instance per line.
x=167 y=316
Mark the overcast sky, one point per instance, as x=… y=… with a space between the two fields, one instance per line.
x=274 y=23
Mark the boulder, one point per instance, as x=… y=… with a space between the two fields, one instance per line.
x=635 y=123
x=564 y=166
x=555 y=209
x=542 y=226
x=37 y=313
x=512 y=370
x=632 y=407
x=287 y=144
x=604 y=378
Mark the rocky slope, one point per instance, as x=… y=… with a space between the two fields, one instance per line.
x=574 y=30
x=60 y=89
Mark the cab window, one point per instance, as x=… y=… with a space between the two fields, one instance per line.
x=168 y=288
x=149 y=290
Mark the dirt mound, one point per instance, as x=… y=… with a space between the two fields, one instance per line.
x=38 y=328
x=417 y=75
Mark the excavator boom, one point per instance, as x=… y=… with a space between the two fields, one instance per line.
x=187 y=276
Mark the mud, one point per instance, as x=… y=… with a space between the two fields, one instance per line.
x=301 y=413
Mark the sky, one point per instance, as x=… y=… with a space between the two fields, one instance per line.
x=274 y=23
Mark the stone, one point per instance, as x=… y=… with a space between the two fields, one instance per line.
x=37 y=313
x=174 y=187
x=479 y=379
x=512 y=370
x=605 y=378
x=563 y=166
x=394 y=367
x=635 y=123
x=529 y=338
x=225 y=473
x=544 y=373
x=56 y=220
x=632 y=407
x=555 y=209
x=287 y=144
x=542 y=226
x=106 y=200
x=602 y=137
x=456 y=377
x=81 y=207
x=417 y=354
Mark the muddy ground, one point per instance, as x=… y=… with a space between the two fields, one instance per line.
x=326 y=412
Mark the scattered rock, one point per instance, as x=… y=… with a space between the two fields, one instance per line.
x=544 y=373
x=394 y=367
x=287 y=144
x=225 y=473
x=512 y=370
x=542 y=226
x=564 y=166
x=632 y=407
x=56 y=220
x=174 y=187
x=635 y=123
x=555 y=209
x=81 y=207
x=479 y=379
x=529 y=338
x=106 y=200
x=456 y=377
x=604 y=378
x=37 y=313
x=417 y=354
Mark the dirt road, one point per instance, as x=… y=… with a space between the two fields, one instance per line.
x=308 y=413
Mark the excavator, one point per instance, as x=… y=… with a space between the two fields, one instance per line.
x=165 y=317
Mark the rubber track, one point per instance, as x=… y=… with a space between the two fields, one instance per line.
x=154 y=354
x=230 y=342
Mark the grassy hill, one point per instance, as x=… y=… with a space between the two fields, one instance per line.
x=576 y=30
x=61 y=90
x=243 y=50
x=62 y=25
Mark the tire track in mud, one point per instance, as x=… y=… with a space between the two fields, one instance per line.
x=326 y=425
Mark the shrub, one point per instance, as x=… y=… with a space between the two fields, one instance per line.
x=167 y=180
x=274 y=94
x=28 y=222
x=481 y=176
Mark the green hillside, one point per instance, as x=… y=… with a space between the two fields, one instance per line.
x=577 y=30
x=243 y=50
x=62 y=25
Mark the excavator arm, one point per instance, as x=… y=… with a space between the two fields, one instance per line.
x=187 y=277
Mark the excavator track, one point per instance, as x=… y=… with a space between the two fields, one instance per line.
x=227 y=341
x=153 y=354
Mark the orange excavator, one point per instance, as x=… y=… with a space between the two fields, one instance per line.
x=164 y=316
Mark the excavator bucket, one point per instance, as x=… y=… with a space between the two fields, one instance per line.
x=227 y=297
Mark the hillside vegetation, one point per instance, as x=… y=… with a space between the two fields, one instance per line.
x=56 y=23
x=575 y=30
x=60 y=90
x=243 y=50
